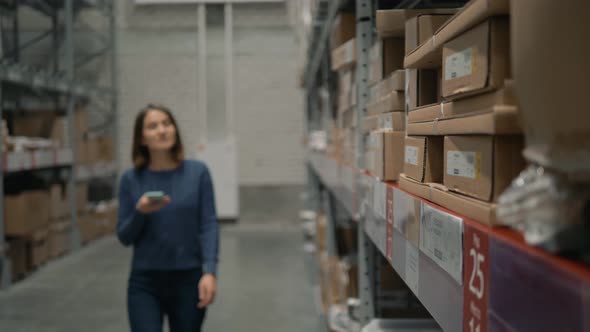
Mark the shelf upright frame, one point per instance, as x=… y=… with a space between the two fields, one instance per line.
x=366 y=249
x=75 y=242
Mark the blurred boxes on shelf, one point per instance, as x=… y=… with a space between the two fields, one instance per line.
x=344 y=56
x=385 y=57
x=98 y=221
x=478 y=60
x=343 y=30
x=394 y=101
x=422 y=27
x=423 y=158
x=20 y=219
x=474 y=105
x=17 y=252
x=392 y=22
x=395 y=81
x=423 y=88
x=59 y=237
x=82 y=196
x=38 y=247
x=482 y=166
x=58 y=207
x=33 y=124
x=384 y=155
x=550 y=64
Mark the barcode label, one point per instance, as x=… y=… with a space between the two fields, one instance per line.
x=463 y=163
x=459 y=64
x=411 y=156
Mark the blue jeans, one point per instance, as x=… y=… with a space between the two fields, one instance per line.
x=151 y=295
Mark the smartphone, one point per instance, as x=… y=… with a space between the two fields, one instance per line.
x=155 y=196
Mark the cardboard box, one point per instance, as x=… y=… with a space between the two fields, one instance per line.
x=349 y=119
x=550 y=59
x=344 y=29
x=38 y=247
x=82 y=151
x=59 y=132
x=370 y=123
x=414 y=187
x=385 y=154
x=89 y=227
x=395 y=121
x=421 y=28
x=81 y=121
x=468 y=106
x=33 y=124
x=346 y=79
x=423 y=87
x=478 y=60
x=483 y=212
x=392 y=22
x=394 y=101
x=498 y=120
x=321 y=232
x=59 y=238
x=385 y=57
x=392 y=55
x=344 y=56
x=17 y=252
x=344 y=101
x=105 y=148
x=423 y=158
x=92 y=153
x=482 y=166
x=429 y=55
x=58 y=206
x=19 y=218
x=82 y=196
x=396 y=81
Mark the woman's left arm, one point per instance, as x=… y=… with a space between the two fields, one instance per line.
x=209 y=230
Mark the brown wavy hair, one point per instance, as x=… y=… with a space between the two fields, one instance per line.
x=140 y=154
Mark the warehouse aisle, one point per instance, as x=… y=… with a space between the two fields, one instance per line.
x=263 y=287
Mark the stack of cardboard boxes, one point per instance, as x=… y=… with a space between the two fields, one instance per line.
x=469 y=143
x=36 y=235
x=338 y=274
x=384 y=125
x=343 y=44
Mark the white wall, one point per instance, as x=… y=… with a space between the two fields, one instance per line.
x=158 y=62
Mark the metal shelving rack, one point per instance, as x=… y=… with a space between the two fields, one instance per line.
x=59 y=81
x=502 y=283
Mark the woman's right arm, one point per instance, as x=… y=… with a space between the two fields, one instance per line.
x=131 y=221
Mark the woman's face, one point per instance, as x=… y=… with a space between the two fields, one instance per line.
x=159 y=134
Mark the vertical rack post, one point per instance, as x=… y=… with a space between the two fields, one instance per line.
x=5 y=264
x=202 y=69
x=229 y=69
x=364 y=37
x=114 y=80
x=72 y=134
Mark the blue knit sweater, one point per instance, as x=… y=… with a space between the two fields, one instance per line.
x=182 y=235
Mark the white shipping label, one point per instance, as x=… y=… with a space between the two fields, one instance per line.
x=463 y=163
x=441 y=239
x=411 y=155
x=459 y=64
x=412 y=267
x=385 y=121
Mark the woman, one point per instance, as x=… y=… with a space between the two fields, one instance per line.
x=167 y=212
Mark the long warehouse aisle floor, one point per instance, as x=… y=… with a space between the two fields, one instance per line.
x=263 y=286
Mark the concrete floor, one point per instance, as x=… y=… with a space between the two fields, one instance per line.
x=264 y=286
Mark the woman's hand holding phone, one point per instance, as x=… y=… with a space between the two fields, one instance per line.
x=152 y=201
